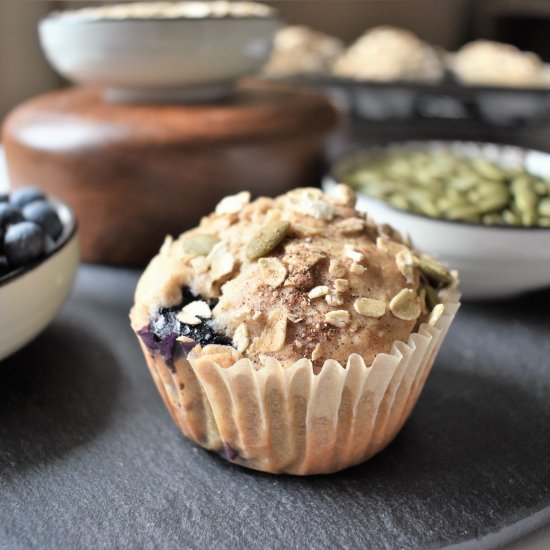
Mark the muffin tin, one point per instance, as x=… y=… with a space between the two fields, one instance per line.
x=448 y=100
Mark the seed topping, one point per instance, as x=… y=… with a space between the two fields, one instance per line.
x=266 y=239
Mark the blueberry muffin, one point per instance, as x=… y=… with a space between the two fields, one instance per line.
x=291 y=334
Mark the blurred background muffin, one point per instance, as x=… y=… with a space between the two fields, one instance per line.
x=388 y=54
x=298 y=49
x=494 y=63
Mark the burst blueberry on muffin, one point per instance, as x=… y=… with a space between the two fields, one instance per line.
x=292 y=334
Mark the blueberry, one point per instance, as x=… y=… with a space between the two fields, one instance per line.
x=25 y=195
x=45 y=215
x=24 y=242
x=9 y=214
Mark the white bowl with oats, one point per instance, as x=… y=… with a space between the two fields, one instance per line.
x=493 y=261
x=165 y=51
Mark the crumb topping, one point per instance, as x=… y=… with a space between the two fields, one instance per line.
x=301 y=275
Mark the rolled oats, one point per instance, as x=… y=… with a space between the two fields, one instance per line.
x=315 y=207
x=274 y=334
x=241 y=337
x=405 y=263
x=352 y=254
x=357 y=269
x=349 y=226
x=294 y=318
x=336 y=268
x=338 y=318
x=316 y=353
x=369 y=307
x=233 y=204
x=222 y=262
x=334 y=299
x=344 y=195
x=273 y=271
x=191 y=312
x=405 y=305
x=200 y=264
x=341 y=285
x=318 y=292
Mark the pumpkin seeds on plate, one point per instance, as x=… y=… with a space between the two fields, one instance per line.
x=446 y=185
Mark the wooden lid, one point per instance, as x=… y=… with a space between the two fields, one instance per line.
x=257 y=111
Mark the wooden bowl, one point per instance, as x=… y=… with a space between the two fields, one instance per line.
x=134 y=173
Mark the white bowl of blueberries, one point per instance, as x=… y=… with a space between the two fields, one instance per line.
x=39 y=254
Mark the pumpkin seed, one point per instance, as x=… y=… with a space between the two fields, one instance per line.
x=511 y=218
x=493 y=219
x=464 y=182
x=198 y=244
x=266 y=239
x=526 y=199
x=443 y=184
x=434 y=271
x=544 y=207
x=432 y=297
x=448 y=202
x=494 y=202
x=540 y=188
x=399 y=201
x=489 y=170
x=463 y=212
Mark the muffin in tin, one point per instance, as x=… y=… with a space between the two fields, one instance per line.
x=298 y=49
x=292 y=335
x=489 y=63
x=387 y=54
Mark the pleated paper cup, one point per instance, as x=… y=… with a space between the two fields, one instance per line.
x=290 y=420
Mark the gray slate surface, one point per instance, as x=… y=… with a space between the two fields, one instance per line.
x=89 y=457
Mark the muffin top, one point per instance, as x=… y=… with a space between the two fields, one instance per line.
x=388 y=53
x=487 y=62
x=301 y=50
x=303 y=275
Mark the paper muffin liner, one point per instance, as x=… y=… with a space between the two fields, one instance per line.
x=290 y=420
